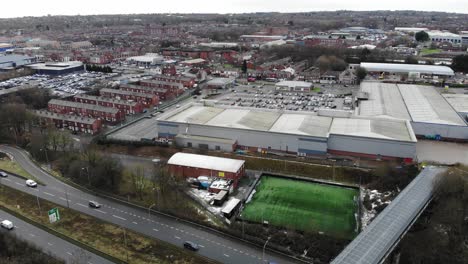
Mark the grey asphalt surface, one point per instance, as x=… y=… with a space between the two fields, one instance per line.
x=212 y=245
x=51 y=244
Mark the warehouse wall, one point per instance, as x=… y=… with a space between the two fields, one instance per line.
x=445 y=131
x=389 y=148
x=249 y=138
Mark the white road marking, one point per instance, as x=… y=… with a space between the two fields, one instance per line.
x=155 y=230
x=97 y=210
x=49 y=194
x=135 y=223
x=226 y=255
x=121 y=218
x=50 y=244
x=19 y=183
x=69 y=253
x=82 y=205
x=177 y=237
x=32 y=235
x=6 y=179
x=62 y=198
x=201 y=246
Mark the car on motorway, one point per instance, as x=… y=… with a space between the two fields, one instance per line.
x=31 y=183
x=3 y=174
x=7 y=224
x=94 y=204
x=190 y=245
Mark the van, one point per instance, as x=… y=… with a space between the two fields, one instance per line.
x=7 y=224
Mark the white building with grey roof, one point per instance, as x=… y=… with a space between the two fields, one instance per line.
x=291 y=132
x=431 y=115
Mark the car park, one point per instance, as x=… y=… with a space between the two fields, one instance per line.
x=31 y=183
x=3 y=174
x=94 y=204
x=7 y=224
x=191 y=245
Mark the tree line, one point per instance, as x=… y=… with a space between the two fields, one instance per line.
x=97 y=68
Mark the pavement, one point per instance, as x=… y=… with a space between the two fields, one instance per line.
x=55 y=246
x=213 y=245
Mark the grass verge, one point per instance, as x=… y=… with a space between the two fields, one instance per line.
x=304 y=206
x=12 y=167
x=95 y=233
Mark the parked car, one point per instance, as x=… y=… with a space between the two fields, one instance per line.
x=7 y=224
x=94 y=204
x=190 y=245
x=31 y=183
x=3 y=174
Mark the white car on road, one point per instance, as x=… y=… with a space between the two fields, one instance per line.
x=7 y=224
x=31 y=183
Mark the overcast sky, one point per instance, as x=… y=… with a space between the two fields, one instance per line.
x=86 y=7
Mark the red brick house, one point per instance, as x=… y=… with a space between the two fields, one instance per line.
x=129 y=107
x=145 y=99
x=71 y=122
x=185 y=81
x=161 y=93
x=107 y=114
x=194 y=165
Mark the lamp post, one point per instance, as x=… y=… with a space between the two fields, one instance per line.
x=87 y=173
x=264 y=246
x=47 y=157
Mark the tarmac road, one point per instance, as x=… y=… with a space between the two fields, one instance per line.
x=212 y=245
x=56 y=246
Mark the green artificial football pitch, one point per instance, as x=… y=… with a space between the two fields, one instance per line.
x=305 y=206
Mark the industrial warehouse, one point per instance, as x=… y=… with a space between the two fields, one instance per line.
x=431 y=114
x=303 y=133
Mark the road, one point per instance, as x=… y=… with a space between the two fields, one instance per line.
x=212 y=245
x=57 y=247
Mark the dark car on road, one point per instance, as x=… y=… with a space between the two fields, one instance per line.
x=190 y=245
x=94 y=204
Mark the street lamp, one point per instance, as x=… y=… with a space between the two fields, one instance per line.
x=47 y=158
x=87 y=173
x=264 y=246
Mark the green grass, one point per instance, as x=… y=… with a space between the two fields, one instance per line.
x=427 y=51
x=304 y=206
x=11 y=166
x=316 y=89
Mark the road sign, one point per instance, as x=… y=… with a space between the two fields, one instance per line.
x=54 y=215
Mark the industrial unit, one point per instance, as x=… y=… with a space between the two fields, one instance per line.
x=57 y=68
x=194 y=165
x=291 y=132
x=430 y=114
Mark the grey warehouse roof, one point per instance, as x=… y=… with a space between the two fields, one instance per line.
x=206 y=162
x=393 y=67
x=372 y=245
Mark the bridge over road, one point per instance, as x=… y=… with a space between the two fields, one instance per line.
x=377 y=241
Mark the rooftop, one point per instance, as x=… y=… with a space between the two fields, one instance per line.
x=84 y=106
x=73 y=118
x=409 y=102
x=117 y=91
x=293 y=84
x=305 y=124
x=394 y=67
x=206 y=162
x=105 y=99
x=384 y=101
x=56 y=65
x=458 y=101
x=425 y=104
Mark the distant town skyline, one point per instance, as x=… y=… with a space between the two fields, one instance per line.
x=92 y=7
